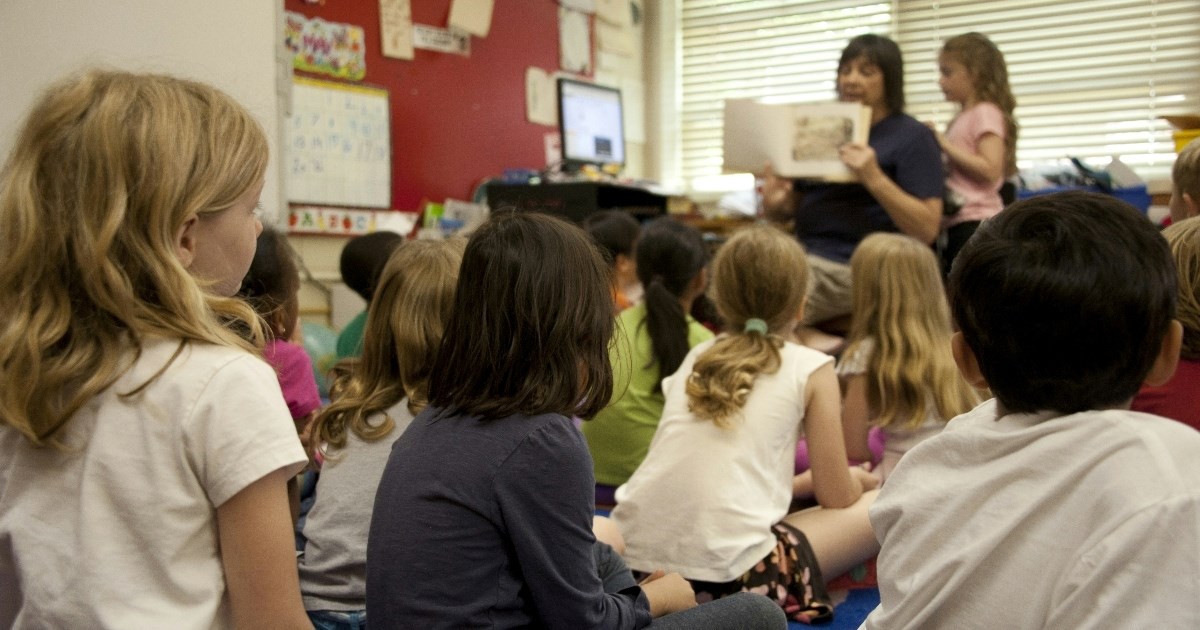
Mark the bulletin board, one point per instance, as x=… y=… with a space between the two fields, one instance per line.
x=339 y=148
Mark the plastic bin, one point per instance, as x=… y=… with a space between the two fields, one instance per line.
x=1136 y=196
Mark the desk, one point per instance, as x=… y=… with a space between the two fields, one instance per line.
x=576 y=200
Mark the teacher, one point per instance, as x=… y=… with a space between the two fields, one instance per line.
x=899 y=188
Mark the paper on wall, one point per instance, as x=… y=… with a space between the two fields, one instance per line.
x=396 y=28
x=441 y=40
x=472 y=16
x=540 y=102
x=614 y=12
x=585 y=6
x=615 y=39
x=574 y=42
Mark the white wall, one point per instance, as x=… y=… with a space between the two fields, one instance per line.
x=229 y=43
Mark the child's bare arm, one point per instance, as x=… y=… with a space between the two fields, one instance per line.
x=259 y=558
x=832 y=483
x=667 y=593
x=856 y=418
x=985 y=166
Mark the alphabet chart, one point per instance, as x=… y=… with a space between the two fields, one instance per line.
x=339 y=149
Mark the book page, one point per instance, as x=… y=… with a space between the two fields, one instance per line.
x=800 y=140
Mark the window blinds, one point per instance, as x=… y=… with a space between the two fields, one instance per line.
x=1092 y=77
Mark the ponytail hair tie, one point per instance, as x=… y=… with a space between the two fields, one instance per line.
x=755 y=324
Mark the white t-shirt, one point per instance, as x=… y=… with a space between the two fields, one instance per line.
x=899 y=440
x=1090 y=520
x=703 y=501
x=120 y=531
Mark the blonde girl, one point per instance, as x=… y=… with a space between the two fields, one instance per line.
x=375 y=397
x=980 y=143
x=144 y=448
x=711 y=498
x=897 y=371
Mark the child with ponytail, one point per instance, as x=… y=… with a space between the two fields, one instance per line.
x=651 y=341
x=711 y=498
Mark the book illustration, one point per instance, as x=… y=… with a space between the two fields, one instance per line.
x=818 y=137
x=799 y=140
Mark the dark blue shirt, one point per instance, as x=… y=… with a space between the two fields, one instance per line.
x=831 y=219
x=488 y=524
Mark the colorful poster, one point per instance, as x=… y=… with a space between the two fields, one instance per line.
x=324 y=47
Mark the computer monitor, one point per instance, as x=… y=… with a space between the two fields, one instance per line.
x=590 y=123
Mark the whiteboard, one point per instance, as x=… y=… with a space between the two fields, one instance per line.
x=339 y=149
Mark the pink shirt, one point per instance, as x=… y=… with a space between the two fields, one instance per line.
x=295 y=372
x=980 y=200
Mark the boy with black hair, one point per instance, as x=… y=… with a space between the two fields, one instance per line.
x=363 y=257
x=616 y=232
x=1052 y=505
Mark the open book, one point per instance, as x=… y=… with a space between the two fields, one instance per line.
x=800 y=140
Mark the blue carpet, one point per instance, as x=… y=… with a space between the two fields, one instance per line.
x=849 y=614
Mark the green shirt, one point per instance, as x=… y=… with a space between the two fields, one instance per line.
x=620 y=434
x=349 y=341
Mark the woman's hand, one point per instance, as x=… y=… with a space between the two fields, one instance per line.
x=860 y=159
x=777 y=199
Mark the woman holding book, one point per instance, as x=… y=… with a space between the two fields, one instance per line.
x=899 y=180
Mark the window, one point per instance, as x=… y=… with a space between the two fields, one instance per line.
x=1092 y=78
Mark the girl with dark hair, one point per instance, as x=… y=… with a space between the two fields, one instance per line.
x=899 y=173
x=652 y=340
x=483 y=517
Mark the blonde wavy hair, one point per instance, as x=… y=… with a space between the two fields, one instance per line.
x=989 y=74
x=1184 y=240
x=106 y=170
x=900 y=304
x=761 y=273
x=405 y=323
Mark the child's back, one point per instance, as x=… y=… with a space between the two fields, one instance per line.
x=897 y=372
x=1052 y=505
x=375 y=397
x=117 y=529
x=144 y=450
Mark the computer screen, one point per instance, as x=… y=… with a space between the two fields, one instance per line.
x=589 y=120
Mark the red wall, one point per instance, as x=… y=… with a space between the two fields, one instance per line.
x=455 y=119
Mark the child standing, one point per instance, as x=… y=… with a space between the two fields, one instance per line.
x=483 y=516
x=711 y=498
x=1179 y=398
x=652 y=339
x=374 y=399
x=1052 y=505
x=144 y=448
x=272 y=288
x=897 y=371
x=980 y=143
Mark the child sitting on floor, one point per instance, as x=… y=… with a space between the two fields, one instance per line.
x=1052 y=505
x=375 y=397
x=1179 y=398
x=483 y=517
x=616 y=232
x=711 y=499
x=897 y=371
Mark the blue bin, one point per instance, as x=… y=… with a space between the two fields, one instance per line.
x=1136 y=196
